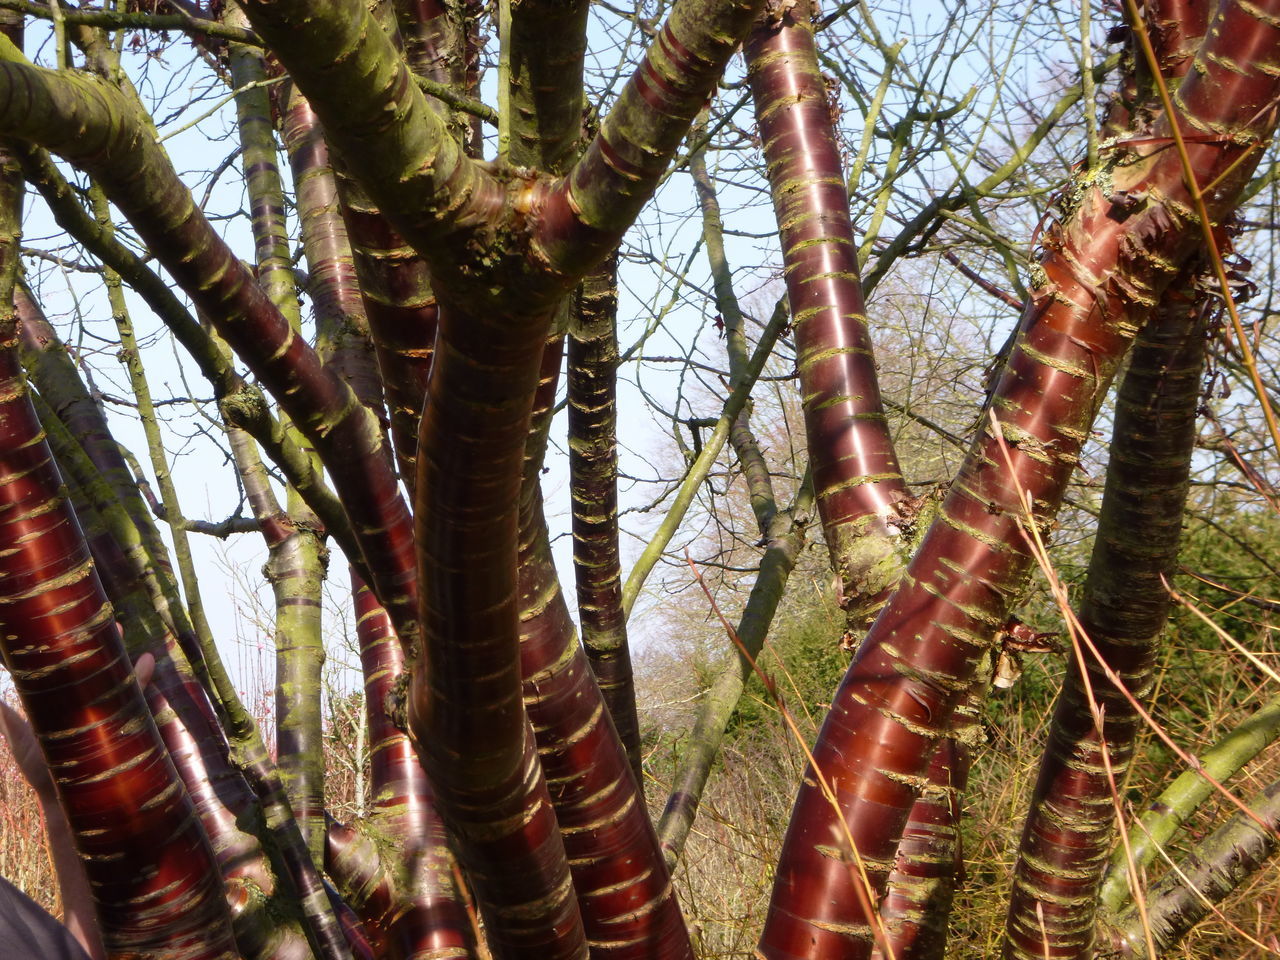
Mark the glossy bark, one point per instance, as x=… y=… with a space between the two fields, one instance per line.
x=430 y=918
x=855 y=469
x=924 y=648
x=68 y=664
x=465 y=705
x=593 y=473
x=862 y=498
x=628 y=905
x=188 y=723
x=403 y=313
x=1125 y=599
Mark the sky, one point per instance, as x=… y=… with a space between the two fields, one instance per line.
x=196 y=121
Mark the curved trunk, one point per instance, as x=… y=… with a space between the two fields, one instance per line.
x=403 y=314
x=855 y=469
x=624 y=894
x=629 y=908
x=466 y=713
x=1102 y=263
x=365 y=278
x=342 y=326
x=186 y=720
x=227 y=809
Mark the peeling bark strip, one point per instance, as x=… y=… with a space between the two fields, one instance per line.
x=855 y=469
x=1103 y=265
x=152 y=874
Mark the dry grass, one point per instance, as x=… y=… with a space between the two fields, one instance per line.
x=24 y=854
x=724 y=877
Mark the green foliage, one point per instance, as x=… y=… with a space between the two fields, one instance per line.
x=804 y=660
x=1236 y=550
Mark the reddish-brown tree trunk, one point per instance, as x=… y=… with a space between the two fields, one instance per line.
x=899 y=694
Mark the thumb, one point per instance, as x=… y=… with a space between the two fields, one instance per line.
x=143 y=669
